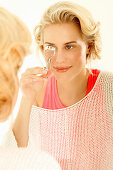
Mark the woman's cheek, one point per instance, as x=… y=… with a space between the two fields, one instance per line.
x=52 y=62
x=76 y=57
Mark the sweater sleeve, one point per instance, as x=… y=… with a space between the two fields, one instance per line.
x=12 y=158
x=9 y=139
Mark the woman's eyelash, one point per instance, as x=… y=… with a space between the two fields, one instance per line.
x=48 y=47
x=69 y=46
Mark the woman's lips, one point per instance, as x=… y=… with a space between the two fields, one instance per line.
x=62 y=69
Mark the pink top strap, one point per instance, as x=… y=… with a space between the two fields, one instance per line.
x=51 y=98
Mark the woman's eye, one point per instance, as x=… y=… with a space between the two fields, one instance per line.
x=69 y=47
x=47 y=47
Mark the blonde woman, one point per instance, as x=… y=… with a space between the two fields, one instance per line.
x=15 y=42
x=67 y=104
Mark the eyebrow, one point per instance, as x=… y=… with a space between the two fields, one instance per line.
x=70 y=42
x=49 y=43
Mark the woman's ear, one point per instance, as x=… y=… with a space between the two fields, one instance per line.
x=88 y=51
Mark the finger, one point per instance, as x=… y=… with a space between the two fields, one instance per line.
x=36 y=70
x=34 y=76
x=30 y=79
x=37 y=73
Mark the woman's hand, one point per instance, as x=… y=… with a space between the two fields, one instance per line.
x=32 y=81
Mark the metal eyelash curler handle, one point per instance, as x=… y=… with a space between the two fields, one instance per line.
x=48 y=63
x=51 y=53
x=47 y=66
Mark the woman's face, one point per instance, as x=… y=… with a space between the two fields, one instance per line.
x=70 y=55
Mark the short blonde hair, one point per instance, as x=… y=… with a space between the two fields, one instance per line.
x=15 y=43
x=14 y=36
x=8 y=89
x=66 y=11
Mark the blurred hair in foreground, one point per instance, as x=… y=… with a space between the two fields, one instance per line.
x=15 y=42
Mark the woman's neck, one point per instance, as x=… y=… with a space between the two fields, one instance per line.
x=73 y=91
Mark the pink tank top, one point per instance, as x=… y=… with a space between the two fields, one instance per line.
x=51 y=98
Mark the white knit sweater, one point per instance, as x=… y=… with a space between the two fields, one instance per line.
x=80 y=136
x=12 y=158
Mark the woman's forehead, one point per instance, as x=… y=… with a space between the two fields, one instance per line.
x=66 y=31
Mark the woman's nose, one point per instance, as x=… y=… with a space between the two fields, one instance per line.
x=59 y=56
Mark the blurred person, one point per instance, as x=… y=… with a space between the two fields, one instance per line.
x=12 y=158
x=15 y=42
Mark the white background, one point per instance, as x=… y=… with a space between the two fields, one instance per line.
x=31 y=10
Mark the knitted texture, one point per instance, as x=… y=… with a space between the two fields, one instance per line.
x=12 y=158
x=79 y=137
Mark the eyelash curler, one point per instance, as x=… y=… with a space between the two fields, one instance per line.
x=49 y=52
